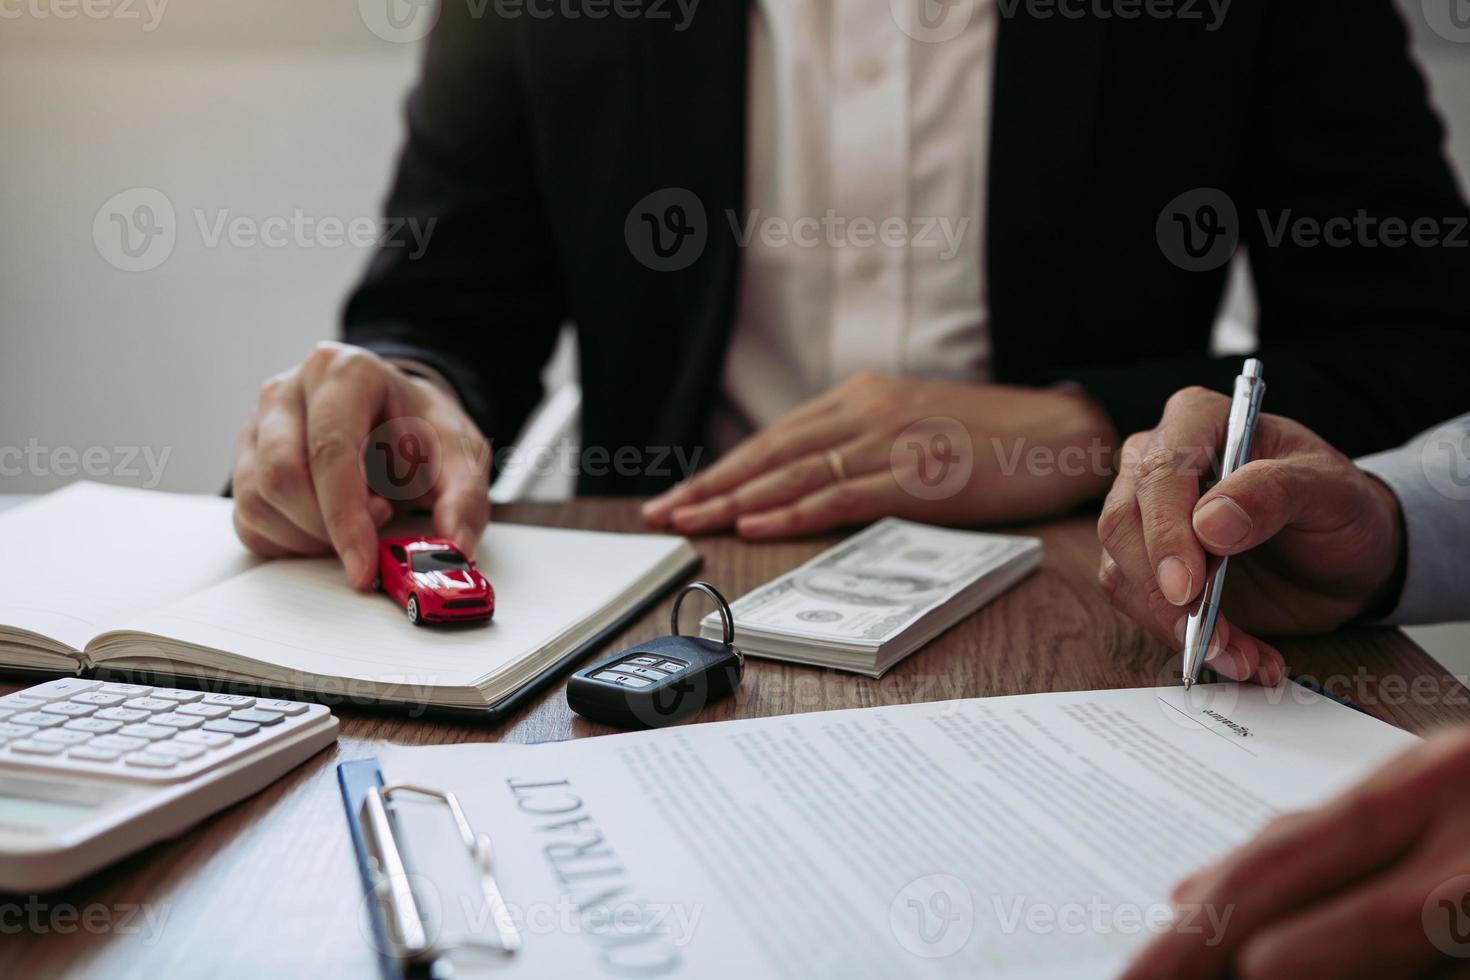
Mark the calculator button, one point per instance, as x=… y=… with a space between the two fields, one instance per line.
x=97 y=726
x=126 y=690
x=99 y=698
x=121 y=714
x=649 y=672
x=176 y=720
x=62 y=737
x=229 y=700
x=32 y=747
x=151 y=705
x=91 y=753
x=257 y=717
x=622 y=680
x=60 y=690
x=174 y=694
x=150 y=760
x=203 y=710
x=70 y=708
x=212 y=740
x=645 y=661
x=151 y=732
x=225 y=726
x=9 y=731
x=670 y=666
x=37 y=719
x=17 y=702
x=282 y=707
x=121 y=743
x=179 y=750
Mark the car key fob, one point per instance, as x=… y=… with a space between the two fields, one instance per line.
x=663 y=681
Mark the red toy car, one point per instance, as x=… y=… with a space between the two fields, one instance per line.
x=433 y=581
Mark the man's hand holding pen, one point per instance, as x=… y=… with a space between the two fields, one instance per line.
x=1318 y=542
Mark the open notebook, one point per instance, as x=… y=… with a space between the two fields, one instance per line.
x=145 y=584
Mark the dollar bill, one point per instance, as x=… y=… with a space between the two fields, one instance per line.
x=871 y=587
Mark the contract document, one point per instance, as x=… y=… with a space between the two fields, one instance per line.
x=1031 y=836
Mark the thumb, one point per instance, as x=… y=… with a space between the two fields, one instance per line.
x=1257 y=501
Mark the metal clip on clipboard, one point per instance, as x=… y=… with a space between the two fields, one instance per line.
x=406 y=934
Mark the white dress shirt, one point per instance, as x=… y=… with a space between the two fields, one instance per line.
x=1431 y=477
x=866 y=167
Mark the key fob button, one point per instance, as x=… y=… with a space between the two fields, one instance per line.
x=645 y=661
x=626 y=680
x=648 y=672
x=670 y=666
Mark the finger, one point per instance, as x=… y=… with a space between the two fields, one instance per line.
x=1258 y=500
x=1301 y=860
x=339 y=413
x=782 y=442
x=263 y=529
x=854 y=501
x=1168 y=488
x=462 y=492
x=787 y=482
x=1140 y=603
x=281 y=472
x=1373 y=930
x=1120 y=527
x=256 y=542
x=765 y=492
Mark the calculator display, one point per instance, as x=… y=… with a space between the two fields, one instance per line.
x=19 y=811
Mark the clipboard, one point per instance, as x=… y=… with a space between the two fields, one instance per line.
x=406 y=950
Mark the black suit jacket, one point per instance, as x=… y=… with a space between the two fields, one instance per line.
x=530 y=139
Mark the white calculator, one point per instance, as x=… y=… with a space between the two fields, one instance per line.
x=90 y=771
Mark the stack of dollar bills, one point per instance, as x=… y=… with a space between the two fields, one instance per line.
x=865 y=604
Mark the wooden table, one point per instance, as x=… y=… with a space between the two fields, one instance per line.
x=269 y=888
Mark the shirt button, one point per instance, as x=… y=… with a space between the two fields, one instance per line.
x=869 y=69
x=867 y=268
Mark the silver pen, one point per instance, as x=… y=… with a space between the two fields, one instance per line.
x=1245 y=409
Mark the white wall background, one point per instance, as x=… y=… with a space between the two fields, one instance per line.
x=253 y=110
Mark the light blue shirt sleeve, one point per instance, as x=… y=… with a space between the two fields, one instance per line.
x=1431 y=477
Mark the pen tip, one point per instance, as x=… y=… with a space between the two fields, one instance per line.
x=1188 y=683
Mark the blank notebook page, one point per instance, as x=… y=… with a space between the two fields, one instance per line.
x=91 y=557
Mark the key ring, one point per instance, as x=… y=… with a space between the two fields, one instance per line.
x=726 y=619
